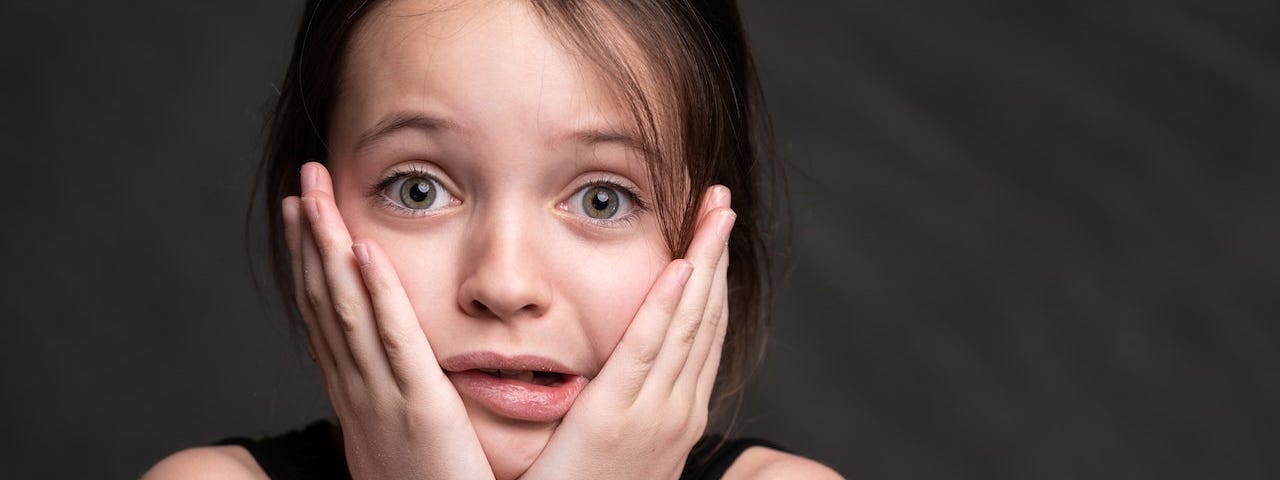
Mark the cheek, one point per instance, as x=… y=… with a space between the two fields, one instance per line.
x=416 y=253
x=425 y=273
x=608 y=288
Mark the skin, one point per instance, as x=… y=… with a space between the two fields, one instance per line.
x=509 y=263
x=527 y=272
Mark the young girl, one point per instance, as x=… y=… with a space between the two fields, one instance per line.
x=509 y=230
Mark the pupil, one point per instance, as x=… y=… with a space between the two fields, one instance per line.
x=419 y=191
x=600 y=201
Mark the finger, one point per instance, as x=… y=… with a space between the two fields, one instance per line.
x=347 y=295
x=716 y=196
x=315 y=177
x=413 y=364
x=316 y=293
x=704 y=252
x=711 y=319
x=707 y=377
x=633 y=358
x=290 y=212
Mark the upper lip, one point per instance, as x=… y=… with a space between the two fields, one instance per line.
x=496 y=361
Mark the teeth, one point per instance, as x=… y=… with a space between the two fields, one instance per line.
x=526 y=376
x=522 y=375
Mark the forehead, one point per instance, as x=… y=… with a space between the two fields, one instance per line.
x=489 y=68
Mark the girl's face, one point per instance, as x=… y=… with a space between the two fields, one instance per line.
x=497 y=173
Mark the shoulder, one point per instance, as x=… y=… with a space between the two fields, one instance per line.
x=225 y=461
x=763 y=463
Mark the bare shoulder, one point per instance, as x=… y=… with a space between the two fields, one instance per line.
x=224 y=461
x=763 y=463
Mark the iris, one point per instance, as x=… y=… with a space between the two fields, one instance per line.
x=600 y=202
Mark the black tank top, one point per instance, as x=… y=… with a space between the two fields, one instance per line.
x=312 y=453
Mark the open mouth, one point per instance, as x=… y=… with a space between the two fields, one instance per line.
x=522 y=387
x=536 y=377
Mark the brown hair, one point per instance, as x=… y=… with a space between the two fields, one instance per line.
x=695 y=51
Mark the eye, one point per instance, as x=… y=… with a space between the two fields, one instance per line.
x=417 y=192
x=603 y=201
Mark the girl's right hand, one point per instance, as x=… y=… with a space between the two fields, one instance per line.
x=400 y=415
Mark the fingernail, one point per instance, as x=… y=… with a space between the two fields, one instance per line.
x=313 y=210
x=308 y=177
x=284 y=209
x=684 y=270
x=362 y=253
x=726 y=224
x=720 y=195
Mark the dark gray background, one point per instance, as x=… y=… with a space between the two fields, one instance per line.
x=1030 y=241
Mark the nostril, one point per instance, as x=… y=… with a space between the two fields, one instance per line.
x=479 y=307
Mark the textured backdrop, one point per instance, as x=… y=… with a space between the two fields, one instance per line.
x=1028 y=241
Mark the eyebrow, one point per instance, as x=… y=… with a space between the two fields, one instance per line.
x=591 y=137
x=399 y=121
x=402 y=121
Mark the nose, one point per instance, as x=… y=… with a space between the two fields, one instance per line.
x=503 y=277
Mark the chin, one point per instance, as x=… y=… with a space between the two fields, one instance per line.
x=510 y=445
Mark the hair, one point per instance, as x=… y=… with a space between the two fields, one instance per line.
x=694 y=53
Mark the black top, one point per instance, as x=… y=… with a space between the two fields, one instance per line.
x=312 y=453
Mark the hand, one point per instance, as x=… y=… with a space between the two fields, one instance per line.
x=647 y=408
x=400 y=415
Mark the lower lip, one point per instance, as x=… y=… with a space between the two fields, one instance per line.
x=516 y=399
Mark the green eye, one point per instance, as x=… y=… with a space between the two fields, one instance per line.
x=600 y=202
x=418 y=193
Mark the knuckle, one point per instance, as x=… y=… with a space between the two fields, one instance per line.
x=314 y=297
x=327 y=247
x=633 y=374
x=711 y=257
x=714 y=317
x=646 y=355
x=347 y=324
x=373 y=282
x=392 y=342
x=321 y=241
x=690 y=333
x=348 y=312
x=716 y=308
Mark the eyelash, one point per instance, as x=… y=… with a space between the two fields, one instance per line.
x=639 y=204
x=377 y=190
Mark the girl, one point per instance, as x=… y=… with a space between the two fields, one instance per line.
x=515 y=252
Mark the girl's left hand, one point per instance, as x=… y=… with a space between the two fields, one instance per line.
x=643 y=413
